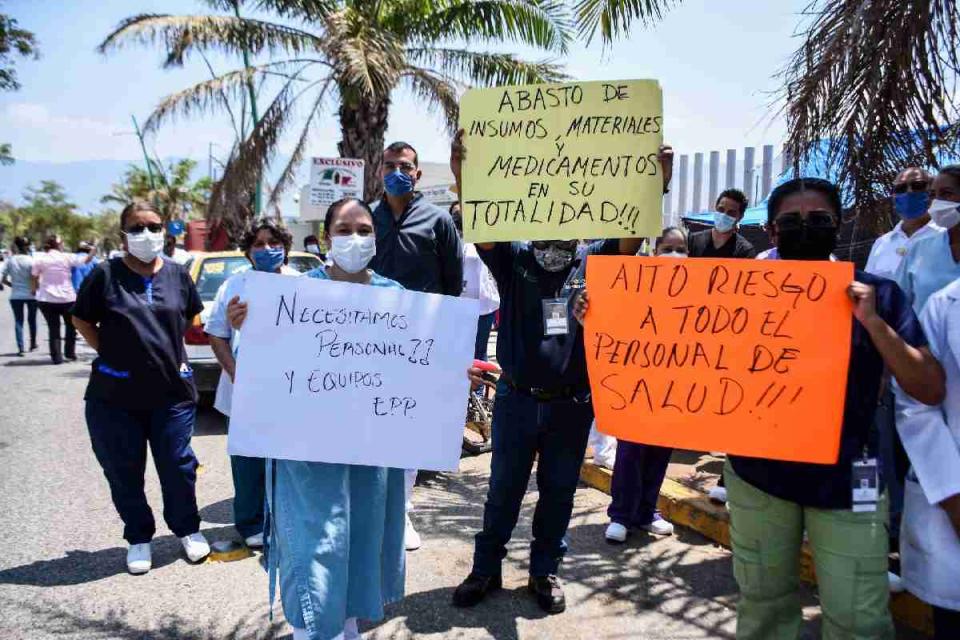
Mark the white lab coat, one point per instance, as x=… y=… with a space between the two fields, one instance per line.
x=929 y=545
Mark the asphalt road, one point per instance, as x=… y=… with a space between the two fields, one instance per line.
x=63 y=574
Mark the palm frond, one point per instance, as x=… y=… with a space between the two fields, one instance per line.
x=366 y=60
x=308 y=10
x=613 y=18
x=438 y=91
x=487 y=69
x=873 y=89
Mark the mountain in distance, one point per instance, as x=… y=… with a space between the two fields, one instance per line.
x=85 y=181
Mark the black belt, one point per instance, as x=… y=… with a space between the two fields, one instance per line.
x=567 y=392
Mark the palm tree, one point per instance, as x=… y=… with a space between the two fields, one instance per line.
x=6 y=154
x=174 y=192
x=353 y=52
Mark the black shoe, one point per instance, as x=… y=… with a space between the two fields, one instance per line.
x=549 y=592
x=33 y=347
x=72 y=357
x=474 y=589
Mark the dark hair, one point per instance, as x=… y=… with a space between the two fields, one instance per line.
x=22 y=243
x=952 y=170
x=737 y=196
x=457 y=216
x=400 y=147
x=278 y=232
x=134 y=207
x=310 y=237
x=667 y=231
x=797 y=185
x=52 y=242
x=339 y=204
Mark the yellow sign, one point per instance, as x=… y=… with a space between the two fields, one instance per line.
x=562 y=161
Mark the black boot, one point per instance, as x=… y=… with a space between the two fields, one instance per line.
x=474 y=589
x=549 y=593
x=56 y=355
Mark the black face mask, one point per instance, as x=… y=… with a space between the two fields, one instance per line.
x=806 y=243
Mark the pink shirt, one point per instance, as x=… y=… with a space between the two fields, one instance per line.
x=53 y=269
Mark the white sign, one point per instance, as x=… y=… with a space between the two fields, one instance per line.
x=336 y=372
x=438 y=194
x=330 y=180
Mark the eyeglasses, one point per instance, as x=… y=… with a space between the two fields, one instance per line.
x=913 y=185
x=405 y=167
x=793 y=220
x=154 y=227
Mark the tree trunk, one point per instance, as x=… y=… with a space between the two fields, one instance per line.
x=363 y=124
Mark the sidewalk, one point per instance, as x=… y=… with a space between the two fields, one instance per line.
x=684 y=502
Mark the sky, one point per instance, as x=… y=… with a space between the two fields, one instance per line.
x=716 y=61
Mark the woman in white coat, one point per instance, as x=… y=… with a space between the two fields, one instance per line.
x=930 y=532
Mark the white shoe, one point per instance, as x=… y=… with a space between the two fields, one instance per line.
x=350 y=630
x=718 y=494
x=411 y=539
x=896 y=583
x=196 y=546
x=255 y=541
x=659 y=527
x=139 y=559
x=616 y=532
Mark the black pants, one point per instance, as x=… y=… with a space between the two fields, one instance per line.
x=30 y=306
x=52 y=312
x=946 y=624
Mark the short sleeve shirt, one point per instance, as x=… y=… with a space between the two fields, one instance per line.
x=527 y=356
x=54 y=271
x=19 y=269
x=828 y=486
x=928 y=267
x=700 y=245
x=888 y=250
x=142 y=363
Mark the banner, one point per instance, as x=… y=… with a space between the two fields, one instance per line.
x=748 y=357
x=562 y=161
x=331 y=179
x=336 y=372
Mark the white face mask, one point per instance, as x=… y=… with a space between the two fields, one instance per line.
x=145 y=246
x=945 y=213
x=314 y=249
x=354 y=252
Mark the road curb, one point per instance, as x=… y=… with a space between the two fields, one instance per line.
x=692 y=509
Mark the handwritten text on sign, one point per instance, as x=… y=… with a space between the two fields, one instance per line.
x=562 y=161
x=356 y=374
x=748 y=357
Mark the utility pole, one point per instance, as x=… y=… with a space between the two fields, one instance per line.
x=253 y=109
x=146 y=157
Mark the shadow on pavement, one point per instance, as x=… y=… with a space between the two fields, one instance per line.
x=210 y=422
x=218 y=512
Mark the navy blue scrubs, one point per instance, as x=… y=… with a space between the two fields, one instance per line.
x=141 y=391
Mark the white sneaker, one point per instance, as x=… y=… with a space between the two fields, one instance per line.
x=255 y=541
x=196 y=546
x=139 y=559
x=411 y=539
x=718 y=494
x=659 y=527
x=896 y=583
x=616 y=532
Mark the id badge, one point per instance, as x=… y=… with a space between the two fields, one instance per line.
x=866 y=485
x=555 y=318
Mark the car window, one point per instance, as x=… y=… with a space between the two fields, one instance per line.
x=215 y=271
x=304 y=263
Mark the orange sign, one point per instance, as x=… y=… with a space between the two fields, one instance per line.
x=749 y=357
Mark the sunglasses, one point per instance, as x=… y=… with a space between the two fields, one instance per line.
x=153 y=227
x=793 y=220
x=406 y=167
x=913 y=185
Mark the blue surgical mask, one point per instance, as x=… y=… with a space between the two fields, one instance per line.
x=722 y=222
x=397 y=184
x=911 y=205
x=268 y=259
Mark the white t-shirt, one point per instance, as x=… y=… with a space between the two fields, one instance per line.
x=888 y=250
x=478 y=282
x=219 y=325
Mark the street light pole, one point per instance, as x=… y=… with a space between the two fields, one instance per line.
x=146 y=157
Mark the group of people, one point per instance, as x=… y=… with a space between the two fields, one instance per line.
x=335 y=535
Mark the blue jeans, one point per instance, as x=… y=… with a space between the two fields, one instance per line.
x=484 y=326
x=523 y=428
x=249 y=493
x=119 y=437
x=19 y=306
x=638 y=472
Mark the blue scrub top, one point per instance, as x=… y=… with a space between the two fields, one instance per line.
x=526 y=355
x=928 y=267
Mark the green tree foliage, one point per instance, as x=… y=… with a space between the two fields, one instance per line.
x=46 y=210
x=175 y=193
x=14 y=41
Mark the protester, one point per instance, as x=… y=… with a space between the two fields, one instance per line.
x=417 y=245
x=933 y=262
x=772 y=503
x=336 y=530
x=723 y=240
x=133 y=311
x=930 y=550
x=79 y=273
x=639 y=469
x=267 y=247
x=53 y=287
x=312 y=245
x=542 y=405
x=17 y=273
x=478 y=284
x=175 y=253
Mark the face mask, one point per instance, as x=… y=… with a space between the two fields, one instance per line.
x=146 y=245
x=354 y=252
x=268 y=260
x=945 y=213
x=723 y=223
x=314 y=249
x=806 y=243
x=553 y=258
x=672 y=254
x=911 y=205
x=398 y=184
